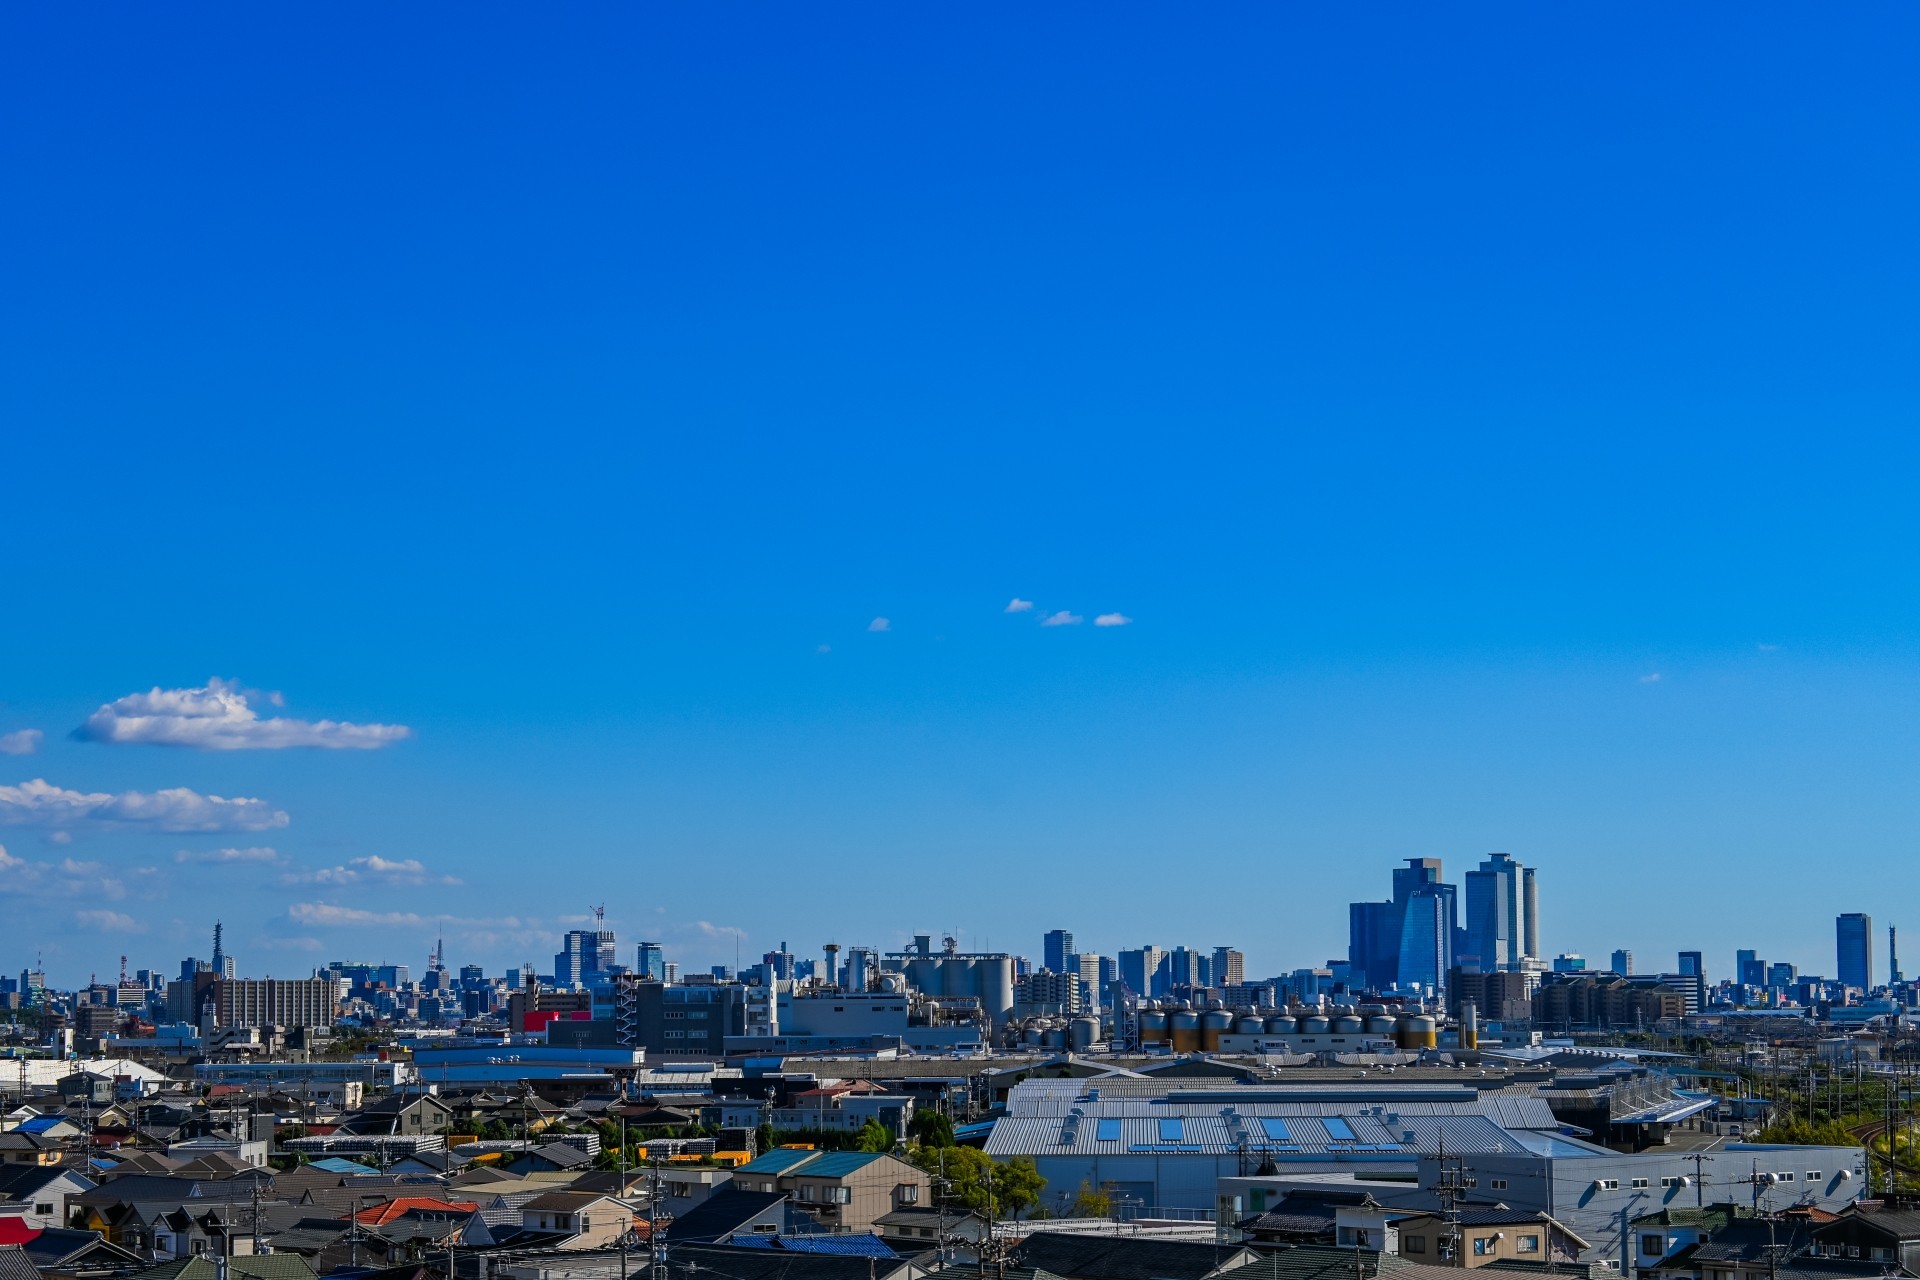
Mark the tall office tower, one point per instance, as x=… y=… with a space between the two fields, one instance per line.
x=1529 y=915
x=1893 y=958
x=1692 y=963
x=1183 y=968
x=1503 y=913
x=1055 y=947
x=1426 y=938
x=1109 y=974
x=1380 y=933
x=1623 y=962
x=651 y=961
x=1749 y=970
x=1089 y=967
x=1229 y=967
x=1853 y=943
x=1144 y=970
x=779 y=963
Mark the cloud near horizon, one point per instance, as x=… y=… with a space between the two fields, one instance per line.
x=410 y=871
x=38 y=803
x=1112 y=620
x=258 y=853
x=221 y=717
x=21 y=742
x=108 y=921
x=1017 y=605
x=333 y=915
x=1064 y=618
x=880 y=624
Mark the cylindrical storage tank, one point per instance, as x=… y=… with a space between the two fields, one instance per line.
x=1348 y=1025
x=1214 y=1023
x=1282 y=1025
x=956 y=976
x=1249 y=1027
x=1082 y=1032
x=859 y=963
x=1380 y=1026
x=993 y=977
x=923 y=973
x=1373 y=1010
x=1184 y=1027
x=1034 y=1036
x=1419 y=1033
x=1314 y=1025
x=1153 y=1027
x=1055 y=1038
x=1469 y=1026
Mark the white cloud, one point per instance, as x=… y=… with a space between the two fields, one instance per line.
x=823 y=648
x=1062 y=619
x=41 y=804
x=21 y=742
x=108 y=921
x=1017 y=605
x=372 y=868
x=880 y=624
x=1112 y=620
x=332 y=915
x=1764 y=647
x=257 y=853
x=65 y=878
x=720 y=932
x=221 y=717
x=1652 y=677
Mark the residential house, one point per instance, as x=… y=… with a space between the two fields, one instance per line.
x=845 y=1190
x=30 y=1148
x=1485 y=1236
x=589 y=1219
x=37 y=1194
x=731 y=1211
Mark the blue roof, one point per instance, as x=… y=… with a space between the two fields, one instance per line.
x=837 y=1164
x=40 y=1124
x=779 y=1160
x=852 y=1246
x=334 y=1164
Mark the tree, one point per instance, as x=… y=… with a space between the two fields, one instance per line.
x=873 y=1136
x=1090 y=1203
x=931 y=1129
x=973 y=1179
x=1017 y=1184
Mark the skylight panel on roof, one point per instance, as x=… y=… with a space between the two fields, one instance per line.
x=1172 y=1131
x=1106 y=1131
x=1338 y=1130
x=1276 y=1128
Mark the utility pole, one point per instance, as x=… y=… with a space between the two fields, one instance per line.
x=1699 y=1159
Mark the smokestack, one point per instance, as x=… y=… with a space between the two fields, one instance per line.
x=1469 y=1026
x=833 y=964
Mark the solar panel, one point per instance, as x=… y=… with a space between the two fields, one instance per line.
x=1171 y=1131
x=1277 y=1130
x=1106 y=1131
x=1338 y=1130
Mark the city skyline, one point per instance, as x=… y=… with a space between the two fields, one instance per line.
x=868 y=469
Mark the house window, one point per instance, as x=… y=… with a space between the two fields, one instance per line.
x=1415 y=1244
x=1883 y=1255
x=1653 y=1246
x=907 y=1193
x=1483 y=1245
x=806 y=1191
x=842 y=1195
x=1498 y=1184
x=43 y=1209
x=1528 y=1244
x=1813 y=1175
x=1609 y=1184
x=1639 y=1182
x=1669 y=1182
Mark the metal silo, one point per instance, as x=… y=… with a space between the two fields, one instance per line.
x=1185 y=1029
x=1083 y=1032
x=993 y=983
x=1214 y=1023
x=1153 y=1026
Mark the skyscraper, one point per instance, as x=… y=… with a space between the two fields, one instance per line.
x=1055 y=947
x=1503 y=913
x=651 y=961
x=1229 y=967
x=1416 y=927
x=1749 y=970
x=1144 y=970
x=1623 y=962
x=1853 y=944
x=1183 y=968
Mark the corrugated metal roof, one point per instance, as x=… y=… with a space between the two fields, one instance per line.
x=1218 y=1134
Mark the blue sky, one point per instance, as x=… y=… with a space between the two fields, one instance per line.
x=575 y=389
